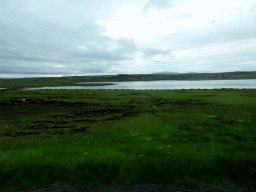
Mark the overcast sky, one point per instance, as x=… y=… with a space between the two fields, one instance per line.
x=105 y=37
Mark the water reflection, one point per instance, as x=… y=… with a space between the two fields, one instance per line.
x=165 y=84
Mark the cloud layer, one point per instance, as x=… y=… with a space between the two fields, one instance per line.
x=61 y=38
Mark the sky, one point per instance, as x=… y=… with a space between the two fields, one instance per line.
x=54 y=38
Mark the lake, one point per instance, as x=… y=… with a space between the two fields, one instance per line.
x=164 y=84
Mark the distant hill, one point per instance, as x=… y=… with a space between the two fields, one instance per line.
x=71 y=80
x=168 y=72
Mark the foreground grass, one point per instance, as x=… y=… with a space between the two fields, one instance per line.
x=91 y=138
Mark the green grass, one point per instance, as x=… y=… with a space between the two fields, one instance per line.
x=91 y=138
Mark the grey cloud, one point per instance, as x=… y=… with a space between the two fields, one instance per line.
x=102 y=50
x=151 y=52
x=127 y=46
x=211 y=35
x=52 y=43
x=223 y=62
x=61 y=37
x=160 y=4
x=36 y=37
x=22 y=68
x=213 y=22
x=157 y=4
x=31 y=67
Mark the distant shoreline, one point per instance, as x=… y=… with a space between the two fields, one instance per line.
x=155 y=85
x=86 y=84
x=14 y=84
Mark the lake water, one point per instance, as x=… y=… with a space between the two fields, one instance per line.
x=165 y=84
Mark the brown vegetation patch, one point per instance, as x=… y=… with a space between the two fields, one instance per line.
x=38 y=129
x=38 y=101
x=183 y=102
x=58 y=124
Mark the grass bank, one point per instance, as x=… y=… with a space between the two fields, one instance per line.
x=91 y=138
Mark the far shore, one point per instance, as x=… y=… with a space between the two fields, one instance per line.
x=73 y=84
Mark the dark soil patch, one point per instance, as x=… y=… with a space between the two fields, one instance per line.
x=182 y=103
x=60 y=123
x=37 y=130
x=38 y=101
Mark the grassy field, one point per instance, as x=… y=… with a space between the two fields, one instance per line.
x=91 y=138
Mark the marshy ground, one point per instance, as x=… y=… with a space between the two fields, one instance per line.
x=223 y=118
